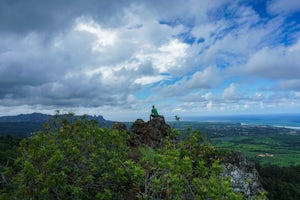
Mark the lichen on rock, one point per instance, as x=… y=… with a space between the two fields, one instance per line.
x=244 y=177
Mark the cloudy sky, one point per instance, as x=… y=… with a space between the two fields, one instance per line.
x=117 y=58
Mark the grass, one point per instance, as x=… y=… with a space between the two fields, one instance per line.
x=284 y=148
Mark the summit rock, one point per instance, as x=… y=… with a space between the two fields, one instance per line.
x=150 y=133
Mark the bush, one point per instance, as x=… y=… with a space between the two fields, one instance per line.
x=184 y=171
x=77 y=160
x=282 y=183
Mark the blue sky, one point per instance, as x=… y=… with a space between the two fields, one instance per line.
x=118 y=58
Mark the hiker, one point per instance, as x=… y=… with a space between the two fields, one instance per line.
x=155 y=114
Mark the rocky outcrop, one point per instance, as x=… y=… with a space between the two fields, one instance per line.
x=244 y=177
x=149 y=133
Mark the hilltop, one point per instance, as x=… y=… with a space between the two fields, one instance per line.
x=40 y=117
x=244 y=177
x=79 y=160
x=33 y=117
x=23 y=125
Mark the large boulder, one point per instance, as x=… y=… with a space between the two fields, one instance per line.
x=149 y=133
x=244 y=177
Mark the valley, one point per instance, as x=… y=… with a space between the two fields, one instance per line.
x=266 y=145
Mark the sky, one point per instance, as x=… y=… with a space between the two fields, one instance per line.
x=118 y=58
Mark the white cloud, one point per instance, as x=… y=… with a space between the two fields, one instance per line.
x=209 y=105
x=104 y=37
x=293 y=84
x=168 y=58
x=171 y=55
x=207 y=78
x=297 y=95
x=145 y=80
x=274 y=63
x=230 y=92
x=283 y=6
x=100 y=55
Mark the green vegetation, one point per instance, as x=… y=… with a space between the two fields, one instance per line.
x=8 y=154
x=187 y=170
x=282 y=183
x=75 y=159
x=281 y=146
x=8 y=150
x=20 y=129
x=276 y=151
x=280 y=150
x=22 y=126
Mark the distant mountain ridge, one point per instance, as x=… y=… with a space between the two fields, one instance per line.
x=40 y=117
x=24 y=124
x=34 y=117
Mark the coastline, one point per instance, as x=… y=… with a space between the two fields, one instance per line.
x=289 y=127
x=289 y=121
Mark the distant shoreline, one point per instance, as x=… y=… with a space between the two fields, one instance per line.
x=289 y=121
x=289 y=127
x=277 y=126
x=244 y=124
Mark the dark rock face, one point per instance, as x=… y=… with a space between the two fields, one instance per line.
x=149 y=133
x=244 y=177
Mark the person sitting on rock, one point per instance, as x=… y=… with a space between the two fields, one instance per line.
x=154 y=113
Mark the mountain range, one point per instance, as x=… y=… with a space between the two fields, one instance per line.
x=24 y=124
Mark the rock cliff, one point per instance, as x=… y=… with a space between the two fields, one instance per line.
x=149 y=133
x=243 y=176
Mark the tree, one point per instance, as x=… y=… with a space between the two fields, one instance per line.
x=76 y=160
x=281 y=182
x=177 y=118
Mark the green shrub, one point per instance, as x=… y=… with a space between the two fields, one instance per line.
x=77 y=160
x=184 y=171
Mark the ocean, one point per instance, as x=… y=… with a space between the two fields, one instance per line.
x=279 y=120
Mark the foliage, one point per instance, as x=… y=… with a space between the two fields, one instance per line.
x=282 y=183
x=282 y=143
x=19 y=129
x=284 y=148
x=177 y=118
x=8 y=154
x=184 y=171
x=76 y=160
x=8 y=149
